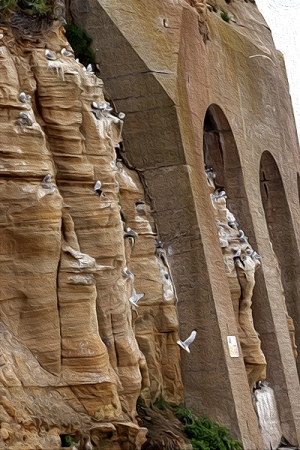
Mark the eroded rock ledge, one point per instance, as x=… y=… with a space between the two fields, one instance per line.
x=77 y=249
x=88 y=308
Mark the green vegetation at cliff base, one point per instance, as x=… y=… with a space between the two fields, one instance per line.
x=81 y=42
x=30 y=7
x=205 y=434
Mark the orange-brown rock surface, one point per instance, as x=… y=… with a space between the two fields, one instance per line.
x=108 y=243
x=192 y=104
x=241 y=262
x=70 y=269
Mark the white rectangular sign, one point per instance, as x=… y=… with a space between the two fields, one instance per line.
x=233 y=347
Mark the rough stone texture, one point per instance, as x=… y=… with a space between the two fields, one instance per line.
x=201 y=8
x=166 y=79
x=241 y=262
x=78 y=344
x=164 y=430
x=71 y=363
x=155 y=315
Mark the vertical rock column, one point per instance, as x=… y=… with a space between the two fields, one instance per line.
x=82 y=134
x=30 y=217
x=241 y=261
x=156 y=323
x=102 y=131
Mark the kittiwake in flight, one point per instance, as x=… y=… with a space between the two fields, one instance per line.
x=185 y=344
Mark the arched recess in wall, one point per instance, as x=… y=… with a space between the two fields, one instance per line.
x=282 y=236
x=221 y=153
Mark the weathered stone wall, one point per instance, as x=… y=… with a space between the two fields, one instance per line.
x=101 y=264
x=174 y=77
x=77 y=244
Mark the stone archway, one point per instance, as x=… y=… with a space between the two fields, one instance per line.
x=282 y=237
x=221 y=153
x=225 y=176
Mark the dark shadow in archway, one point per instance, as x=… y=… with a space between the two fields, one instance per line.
x=282 y=236
x=221 y=153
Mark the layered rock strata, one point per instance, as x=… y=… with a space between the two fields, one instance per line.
x=241 y=262
x=70 y=268
x=168 y=82
x=88 y=302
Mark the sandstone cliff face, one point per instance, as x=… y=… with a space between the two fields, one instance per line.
x=101 y=264
x=77 y=247
x=170 y=82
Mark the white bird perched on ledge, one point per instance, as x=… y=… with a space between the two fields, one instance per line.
x=130 y=233
x=66 y=52
x=24 y=97
x=127 y=273
x=253 y=254
x=24 y=119
x=89 y=69
x=185 y=344
x=242 y=237
x=50 y=55
x=46 y=182
x=97 y=187
x=47 y=178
